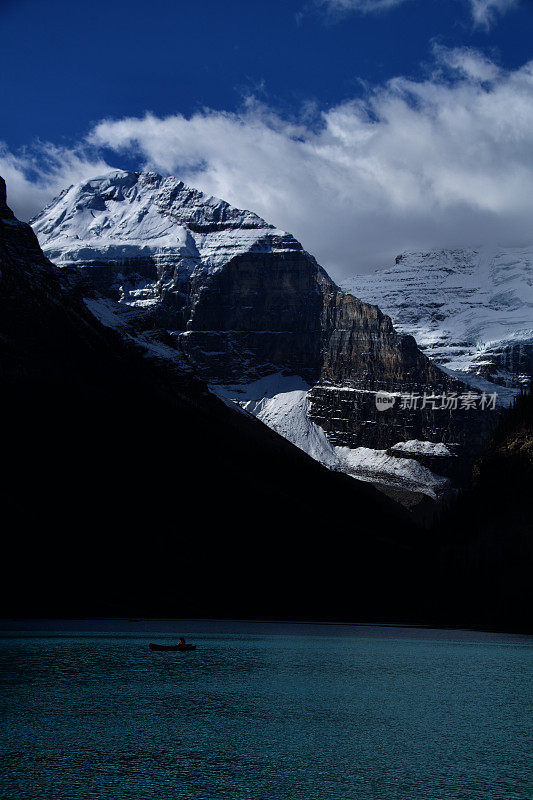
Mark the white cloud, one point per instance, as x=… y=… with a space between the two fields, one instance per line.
x=484 y=12
x=446 y=161
x=418 y=164
x=39 y=173
x=364 y=6
x=470 y=63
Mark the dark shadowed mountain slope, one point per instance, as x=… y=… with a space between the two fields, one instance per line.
x=130 y=487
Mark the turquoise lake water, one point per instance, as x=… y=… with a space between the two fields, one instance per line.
x=264 y=712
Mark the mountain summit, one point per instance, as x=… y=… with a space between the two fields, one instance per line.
x=126 y=216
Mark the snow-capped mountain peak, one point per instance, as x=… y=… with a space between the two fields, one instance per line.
x=130 y=215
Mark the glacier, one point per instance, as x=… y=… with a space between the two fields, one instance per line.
x=470 y=310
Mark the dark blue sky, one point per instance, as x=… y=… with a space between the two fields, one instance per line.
x=441 y=157
x=66 y=64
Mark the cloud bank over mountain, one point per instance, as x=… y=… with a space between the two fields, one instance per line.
x=446 y=160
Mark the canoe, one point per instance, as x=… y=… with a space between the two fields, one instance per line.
x=175 y=648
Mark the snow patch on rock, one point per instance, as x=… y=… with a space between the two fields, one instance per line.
x=378 y=466
x=106 y=311
x=417 y=447
x=281 y=402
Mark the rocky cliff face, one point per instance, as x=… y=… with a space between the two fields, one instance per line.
x=259 y=315
x=362 y=350
x=350 y=418
x=362 y=354
x=244 y=300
